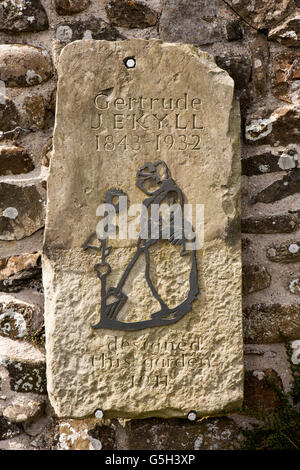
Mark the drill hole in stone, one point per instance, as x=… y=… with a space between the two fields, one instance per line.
x=130 y=62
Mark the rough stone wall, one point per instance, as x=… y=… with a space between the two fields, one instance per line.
x=257 y=42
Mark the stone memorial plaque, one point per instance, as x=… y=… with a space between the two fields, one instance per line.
x=143 y=306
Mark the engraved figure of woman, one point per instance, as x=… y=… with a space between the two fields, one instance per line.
x=161 y=220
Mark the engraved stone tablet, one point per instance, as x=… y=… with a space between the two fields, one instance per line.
x=142 y=262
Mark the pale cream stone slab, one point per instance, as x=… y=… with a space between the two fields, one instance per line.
x=110 y=121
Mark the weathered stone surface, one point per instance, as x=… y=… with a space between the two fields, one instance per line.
x=262 y=14
x=264 y=322
x=287 y=186
x=278 y=127
x=174 y=434
x=14 y=160
x=255 y=278
x=286 y=75
x=24 y=410
x=130 y=14
x=287 y=252
x=86 y=434
x=9 y=116
x=163 y=370
x=8 y=429
x=19 y=320
x=69 y=7
x=260 y=396
x=36 y=111
x=21 y=211
x=234 y=30
x=26 y=376
x=22 y=65
x=191 y=21
x=18 y=272
x=22 y=15
x=288 y=31
x=281 y=223
x=269 y=163
x=260 y=62
x=94 y=28
x=238 y=67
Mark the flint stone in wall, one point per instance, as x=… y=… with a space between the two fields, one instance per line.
x=280 y=127
x=8 y=429
x=210 y=434
x=18 y=319
x=36 y=111
x=255 y=278
x=260 y=396
x=263 y=323
x=86 y=434
x=24 y=410
x=70 y=7
x=260 y=60
x=238 y=67
x=191 y=21
x=14 y=161
x=22 y=210
x=287 y=252
x=22 y=15
x=286 y=75
x=128 y=14
x=9 y=116
x=26 y=376
x=281 y=223
x=22 y=65
x=47 y=152
x=94 y=28
x=288 y=31
x=20 y=272
x=262 y=14
x=268 y=162
x=280 y=189
x=234 y=30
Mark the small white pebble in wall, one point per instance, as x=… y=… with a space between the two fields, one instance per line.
x=10 y=213
x=259 y=374
x=192 y=415
x=286 y=162
x=294 y=248
x=259 y=128
x=2 y=92
x=87 y=34
x=33 y=78
x=296 y=354
x=264 y=168
x=294 y=286
x=99 y=414
x=95 y=444
x=64 y=33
